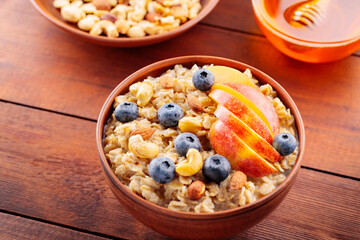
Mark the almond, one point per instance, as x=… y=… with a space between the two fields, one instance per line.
x=145 y=132
x=108 y=16
x=196 y=190
x=152 y=17
x=238 y=180
x=102 y=4
x=194 y=103
x=162 y=2
x=166 y=81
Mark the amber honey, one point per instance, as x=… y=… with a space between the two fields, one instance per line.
x=336 y=34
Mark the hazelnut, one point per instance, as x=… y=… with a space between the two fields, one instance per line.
x=196 y=190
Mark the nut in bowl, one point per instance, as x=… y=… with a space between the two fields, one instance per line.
x=200 y=174
x=125 y=23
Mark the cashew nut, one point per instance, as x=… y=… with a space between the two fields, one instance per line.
x=88 y=22
x=137 y=15
x=194 y=10
x=190 y=124
x=120 y=11
x=167 y=20
x=88 y=8
x=143 y=92
x=141 y=148
x=180 y=12
x=72 y=13
x=136 y=32
x=106 y=27
x=61 y=3
x=76 y=3
x=122 y=26
x=191 y=165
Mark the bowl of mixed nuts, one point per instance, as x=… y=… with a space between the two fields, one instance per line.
x=200 y=147
x=125 y=23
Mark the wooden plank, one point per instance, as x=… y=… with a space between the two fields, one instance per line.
x=15 y=227
x=50 y=170
x=51 y=165
x=234 y=14
x=46 y=68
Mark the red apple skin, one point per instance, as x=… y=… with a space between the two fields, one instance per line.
x=247 y=135
x=261 y=101
x=240 y=156
x=243 y=112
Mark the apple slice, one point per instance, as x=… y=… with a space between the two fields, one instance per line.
x=240 y=155
x=243 y=112
x=227 y=74
x=247 y=135
x=245 y=100
x=262 y=102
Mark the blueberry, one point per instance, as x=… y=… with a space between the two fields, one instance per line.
x=203 y=79
x=170 y=114
x=216 y=168
x=126 y=112
x=185 y=141
x=284 y=143
x=162 y=169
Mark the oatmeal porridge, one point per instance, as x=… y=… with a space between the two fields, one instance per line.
x=141 y=132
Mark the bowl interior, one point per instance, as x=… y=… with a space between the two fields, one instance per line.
x=158 y=68
x=45 y=7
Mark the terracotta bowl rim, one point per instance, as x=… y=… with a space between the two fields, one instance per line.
x=262 y=77
x=147 y=40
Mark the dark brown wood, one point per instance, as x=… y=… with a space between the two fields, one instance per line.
x=50 y=170
x=14 y=227
x=234 y=14
x=49 y=167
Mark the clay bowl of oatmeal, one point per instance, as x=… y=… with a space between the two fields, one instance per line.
x=200 y=147
x=119 y=23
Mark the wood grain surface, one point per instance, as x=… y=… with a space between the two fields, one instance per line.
x=53 y=85
x=48 y=69
x=15 y=227
x=54 y=168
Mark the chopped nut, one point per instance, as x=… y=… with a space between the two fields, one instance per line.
x=196 y=190
x=194 y=103
x=108 y=16
x=237 y=180
x=145 y=132
x=166 y=81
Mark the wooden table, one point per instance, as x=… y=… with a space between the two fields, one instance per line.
x=53 y=85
